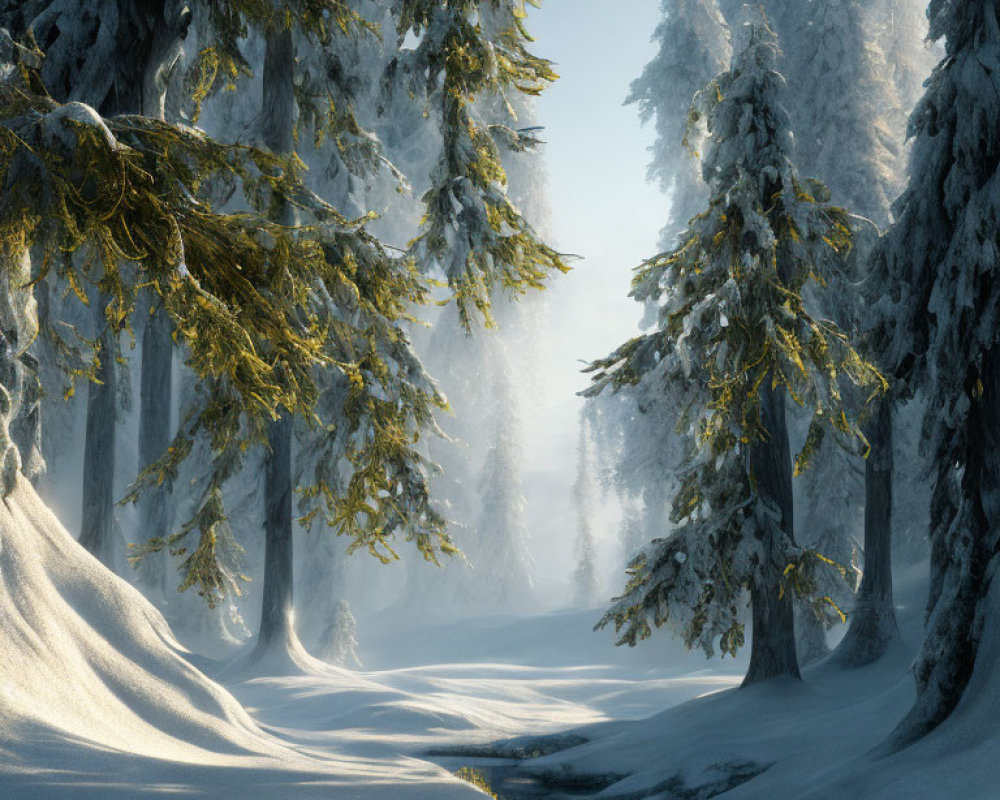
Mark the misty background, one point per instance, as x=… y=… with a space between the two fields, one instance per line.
x=604 y=210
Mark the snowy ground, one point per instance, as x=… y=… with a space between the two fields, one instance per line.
x=97 y=700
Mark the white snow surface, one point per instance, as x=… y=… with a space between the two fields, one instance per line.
x=98 y=700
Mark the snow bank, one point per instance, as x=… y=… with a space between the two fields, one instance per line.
x=97 y=699
x=784 y=738
x=958 y=759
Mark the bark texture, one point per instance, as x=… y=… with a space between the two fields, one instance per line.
x=772 y=649
x=873 y=621
x=278 y=120
x=155 y=408
x=98 y=530
x=276 y=608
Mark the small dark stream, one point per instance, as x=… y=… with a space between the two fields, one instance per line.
x=501 y=764
x=503 y=767
x=509 y=781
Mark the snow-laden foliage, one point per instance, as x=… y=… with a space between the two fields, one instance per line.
x=937 y=324
x=844 y=103
x=222 y=62
x=693 y=48
x=732 y=327
x=900 y=30
x=471 y=230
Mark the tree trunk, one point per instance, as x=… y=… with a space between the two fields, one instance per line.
x=98 y=531
x=811 y=643
x=772 y=649
x=275 y=615
x=963 y=562
x=873 y=621
x=146 y=48
x=278 y=120
x=155 y=406
x=170 y=21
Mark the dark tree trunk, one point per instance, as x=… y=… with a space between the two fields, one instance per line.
x=278 y=115
x=163 y=24
x=125 y=72
x=961 y=560
x=873 y=621
x=98 y=531
x=772 y=649
x=155 y=406
x=275 y=615
x=810 y=635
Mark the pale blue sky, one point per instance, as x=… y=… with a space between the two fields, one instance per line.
x=604 y=210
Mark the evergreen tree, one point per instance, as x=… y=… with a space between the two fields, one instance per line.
x=408 y=389
x=502 y=560
x=734 y=338
x=843 y=104
x=586 y=585
x=288 y=324
x=338 y=643
x=476 y=78
x=360 y=473
x=936 y=326
x=693 y=48
x=123 y=193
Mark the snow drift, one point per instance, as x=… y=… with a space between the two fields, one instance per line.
x=98 y=700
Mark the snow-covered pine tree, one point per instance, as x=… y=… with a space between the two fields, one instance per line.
x=360 y=472
x=586 y=584
x=842 y=104
x=693 y=48
x=338 y=644
x=244 y=389
x=937 y=325
x=477 y=81
x=502 y=560
x=734 y=338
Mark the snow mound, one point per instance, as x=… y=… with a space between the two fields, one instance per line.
x=97 y=698
x=85 y=655
x=957 y=759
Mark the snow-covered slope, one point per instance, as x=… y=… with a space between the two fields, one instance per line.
x=97 y=699
x=959 y=759
x=817 y=739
